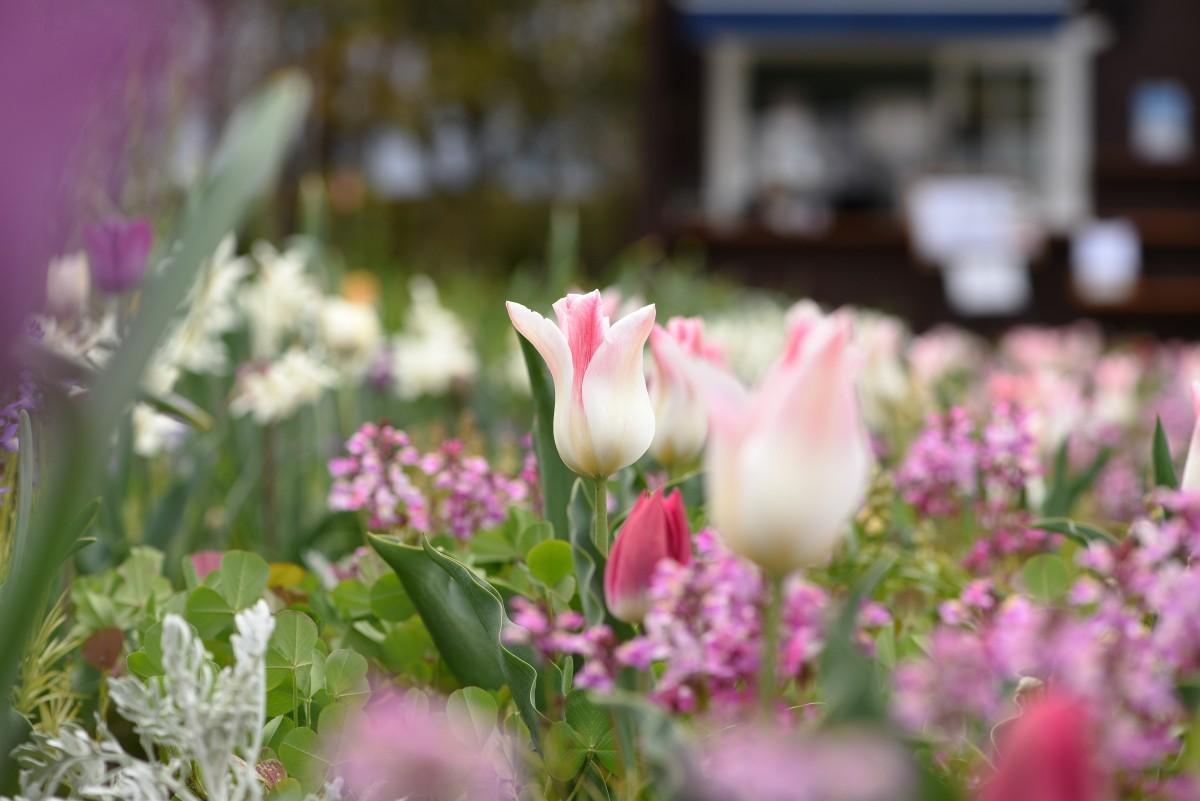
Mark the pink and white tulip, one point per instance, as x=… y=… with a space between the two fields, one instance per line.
x=680 y=414
x=1191 y=468
x=603 y=420
x=788 y=464
x=656 y=529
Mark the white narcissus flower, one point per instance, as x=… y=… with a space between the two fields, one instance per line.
x=680 y=414
x=281 y=299
x=278 y=389
x=351 y=333
x=788 y=464
x=603 y=419
x=434 y=353
x=155 y=433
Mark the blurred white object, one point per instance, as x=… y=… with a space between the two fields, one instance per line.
x=395 y=163
x=791 y=167
x=434 y=352
x=68 y=285
x=351 y=333
x=1161 y=121
x=981 y=231
x=985 y=282
x=1106 y=260
x=281 y=299
x=789 y=147
x=276 y=390
x=897 y=130
x=155 y=433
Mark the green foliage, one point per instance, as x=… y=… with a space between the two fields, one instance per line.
x=1161 y=463
x=465 y=617
x=1047 y=577
x=556 y=480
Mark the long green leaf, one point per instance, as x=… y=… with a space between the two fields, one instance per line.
x=465 y=617
x=248 y=156
x=555 y=478
x=848 y=682
x=26 y=464
x=1082 y=533
x=1164 y=469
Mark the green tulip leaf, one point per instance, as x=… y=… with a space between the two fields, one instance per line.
x=465 y=617
x=556 y=480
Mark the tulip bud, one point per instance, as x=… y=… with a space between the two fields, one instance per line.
x=680 y=415
x=1191 y=468
x=117 y=251
x=603 y=420
x=656 y=529
x=1045 y=756
x=788 y=465
x=68 y=285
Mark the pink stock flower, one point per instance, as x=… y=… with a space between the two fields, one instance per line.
x=656 y=529
x=603 y=419
x=680 y=415
x=117 y=252
x=788 y=464
x=402 y=747
x=205 y=562
x=761 y=763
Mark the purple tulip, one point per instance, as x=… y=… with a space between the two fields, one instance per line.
x=117 y=252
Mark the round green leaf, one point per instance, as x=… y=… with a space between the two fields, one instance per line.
x=550 y=561
x=291 y=651
x=300 y=752
x=389 y=599
x=563 y=754
x=472 y=713
x=243 y=578
x=1047 y=577
x=209 y=612
x=346 y=677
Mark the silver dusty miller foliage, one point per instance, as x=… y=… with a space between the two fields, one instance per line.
x=194 y=715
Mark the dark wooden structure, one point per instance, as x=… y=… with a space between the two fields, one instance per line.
x=865 y=257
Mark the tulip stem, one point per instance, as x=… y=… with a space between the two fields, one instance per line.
x=600 y=533
x=769 y=656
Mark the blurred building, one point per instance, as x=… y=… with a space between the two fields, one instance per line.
x=987 y=160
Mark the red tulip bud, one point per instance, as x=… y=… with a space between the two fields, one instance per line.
x=1046 y=756
x=656 y=529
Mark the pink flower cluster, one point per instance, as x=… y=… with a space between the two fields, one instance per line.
x=955 y=465
x=1128 y=635
x=704 y=628
x=443 y=491
x=954 y=462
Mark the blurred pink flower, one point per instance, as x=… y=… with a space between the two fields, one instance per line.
x=788 y=464
x=680 y=414
x=408 y=747
x=117 y=252
x=750 y=763
x=205 y=562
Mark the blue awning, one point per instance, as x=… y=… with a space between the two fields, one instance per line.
x=705 y=19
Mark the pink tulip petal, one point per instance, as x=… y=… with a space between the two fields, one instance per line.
x=548 y=340
x=582 y=320
x=615 y=399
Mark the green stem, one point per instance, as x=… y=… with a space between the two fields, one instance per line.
x=770 y=648
x=600 y=531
